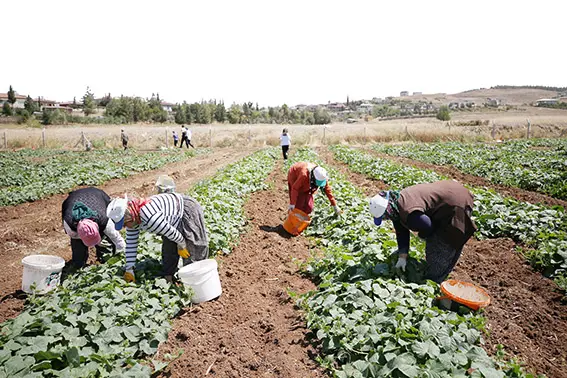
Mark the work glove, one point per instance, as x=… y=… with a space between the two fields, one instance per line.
x=120 y=245
x=338 y=210
x=290 y=207
x=129 y=275
x=401 y=264
x=182 y=250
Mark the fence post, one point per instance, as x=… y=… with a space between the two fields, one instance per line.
x=83 y=138
x=249 y=134
x=365 y=138
x=210 y=136
x=493 y=133
x=166 y=137
x=5 y=140
x=324 y=132
x=529 y=127
x=43 y=137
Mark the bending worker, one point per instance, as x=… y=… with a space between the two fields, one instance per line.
x=177 y=218
x=441 y=214
x=303 y=180
x=84 y=217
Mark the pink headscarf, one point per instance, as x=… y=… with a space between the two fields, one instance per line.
x=88 y=232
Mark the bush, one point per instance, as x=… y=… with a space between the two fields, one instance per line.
x=443 y=114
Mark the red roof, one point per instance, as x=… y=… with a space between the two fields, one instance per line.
x=5 y=96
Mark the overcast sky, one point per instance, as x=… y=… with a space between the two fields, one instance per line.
x=275 y=52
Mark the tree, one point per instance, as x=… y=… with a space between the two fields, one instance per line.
x=180 y=116
x=321 y=117
x=234 y=114
x=11 y=96
x=6 y=109
x=30 y=105
x=220 y=112
x=443 y=113
x=88 y=102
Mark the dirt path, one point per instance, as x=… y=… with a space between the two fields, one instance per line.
x=35 y=227
x=253 y=329
x=454 y=173
x=525 y=315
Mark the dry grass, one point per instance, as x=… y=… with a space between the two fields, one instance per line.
x=508 y=125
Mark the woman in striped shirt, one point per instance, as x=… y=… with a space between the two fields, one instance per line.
x=177 y=218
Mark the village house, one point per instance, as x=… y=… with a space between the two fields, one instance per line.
x=20 y=100
x=365 y=108
x=336 y=107
x=404 y=93
x=167 y=106
x=546 y=101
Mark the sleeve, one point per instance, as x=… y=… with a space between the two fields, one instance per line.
x=329 y=194
x=72 y=234
x=403 y=237
x=114 y=235
x=132 y=235
x=418 y=221
x=156 y=223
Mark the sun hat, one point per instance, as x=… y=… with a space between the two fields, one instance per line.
x=321 y=176
x=88 y=232
x=378 y=206
x=116 y=210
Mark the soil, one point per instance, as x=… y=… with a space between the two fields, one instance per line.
x=526 y=313
x=454 y=173
x=253 y=329
x=35 y=227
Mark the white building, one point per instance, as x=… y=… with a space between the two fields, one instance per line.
x=20 y=100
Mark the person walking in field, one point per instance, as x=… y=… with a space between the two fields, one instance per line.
x=303 y=180
x=185 y=137
x=189 y=135
x=285 y=142
x=440 y=212
x=124 y=138
x=175 y=138
x=86 y=223
x=177 y=218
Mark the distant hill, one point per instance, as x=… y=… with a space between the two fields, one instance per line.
x=509 y=95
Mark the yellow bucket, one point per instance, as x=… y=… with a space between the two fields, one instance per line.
x=296 y=222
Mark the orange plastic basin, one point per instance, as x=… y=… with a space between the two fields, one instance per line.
x=465 y=293
x=296 y=222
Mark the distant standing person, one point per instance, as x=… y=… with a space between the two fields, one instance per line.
x=183 y=136
x=124 y=138
x=175 y=138
x=189 y=137
x=285 y=142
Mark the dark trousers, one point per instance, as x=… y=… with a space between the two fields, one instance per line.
x=170 y=257
x=175 y=142
x=125 y=144
x=80 y=252
x=285 y=149
x=189 y=143
x=184 y=140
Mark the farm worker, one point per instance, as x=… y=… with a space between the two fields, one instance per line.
x=189 y=135
x=177 y=218
x=124 y=138
x=285 y=142
x=441 y=214
x=175 y=139
x=84 y=220
x=303 y=180
x=185 y=137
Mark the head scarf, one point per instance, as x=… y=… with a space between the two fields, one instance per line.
x=81 y=211
x=392 y=211
x=134 y=206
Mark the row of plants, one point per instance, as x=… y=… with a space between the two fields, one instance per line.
x=97 y=325
x=28 y=175
x=371 y=321
x=540 y=229
x=537 y=165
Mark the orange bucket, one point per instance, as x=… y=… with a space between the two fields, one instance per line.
x=465 y=293
x=296 y=222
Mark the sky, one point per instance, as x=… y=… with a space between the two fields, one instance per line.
x=275 y=52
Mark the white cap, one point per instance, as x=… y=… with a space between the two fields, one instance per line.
x=116 y=210
x=320 y=174
x=378 y=206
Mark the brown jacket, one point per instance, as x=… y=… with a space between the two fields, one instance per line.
x=299 y=182
x=449 y=205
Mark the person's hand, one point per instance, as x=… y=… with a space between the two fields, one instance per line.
x=182 y=250
x=401 y=264
x=129 y=276
x=120 y=245
x=338 y=210
x=290 y=208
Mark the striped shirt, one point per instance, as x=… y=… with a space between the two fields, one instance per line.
x=160 y=216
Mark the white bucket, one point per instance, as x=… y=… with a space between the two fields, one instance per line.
x=203 y=277
x=43 y=270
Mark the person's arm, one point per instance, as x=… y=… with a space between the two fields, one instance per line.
x=154 y=221
x=132 y=235
x=329 y=194
x=114 y=235
x=403 y=239
x=418 y=221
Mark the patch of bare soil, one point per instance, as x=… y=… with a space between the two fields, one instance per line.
x=454 y=173
x=525 y=314
x=36 y=228
x=253 y=328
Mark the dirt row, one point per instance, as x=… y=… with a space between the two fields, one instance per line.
x=35 y=227
x=526 y=314
x=253 y=328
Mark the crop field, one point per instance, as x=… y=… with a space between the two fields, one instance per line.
x=327 y=303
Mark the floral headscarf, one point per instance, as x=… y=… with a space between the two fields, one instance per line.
x=392 y=211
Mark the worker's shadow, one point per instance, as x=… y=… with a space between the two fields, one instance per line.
x=278 y=230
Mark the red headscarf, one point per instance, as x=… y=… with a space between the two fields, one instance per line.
x=134 y=206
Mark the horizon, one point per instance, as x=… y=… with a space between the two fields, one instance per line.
x=277 y=53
